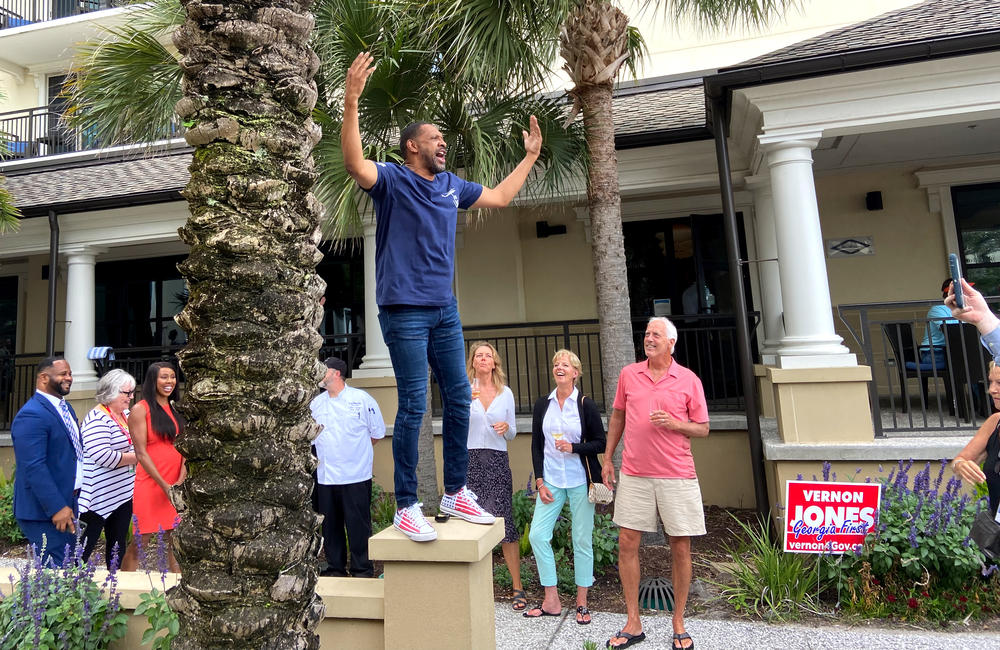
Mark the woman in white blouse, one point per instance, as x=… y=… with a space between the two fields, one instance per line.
x=567 y=434
x=108 y=467
x=491 y=425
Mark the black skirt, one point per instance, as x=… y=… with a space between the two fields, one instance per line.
x=489 y=478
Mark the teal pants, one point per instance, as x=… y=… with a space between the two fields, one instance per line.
x=543 y=522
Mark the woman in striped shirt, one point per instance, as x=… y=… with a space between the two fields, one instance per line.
x=108 y=467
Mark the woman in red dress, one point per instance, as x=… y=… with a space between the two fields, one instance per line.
x=154 y=425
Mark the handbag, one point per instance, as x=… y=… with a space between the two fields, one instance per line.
x=986 y=534
x=599 y=493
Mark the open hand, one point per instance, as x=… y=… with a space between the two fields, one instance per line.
x=532 y=138
x=545 y=494
x=357 y=76
x=969 y=471
x=608 y=475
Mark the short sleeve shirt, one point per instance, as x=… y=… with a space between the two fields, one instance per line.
x=415 y=221
x=652 y=451
x=344 y=446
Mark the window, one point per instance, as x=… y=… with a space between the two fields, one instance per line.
x=977 y=220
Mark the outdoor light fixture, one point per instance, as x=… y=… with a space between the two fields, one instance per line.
x=873 y=200
x=543 y=229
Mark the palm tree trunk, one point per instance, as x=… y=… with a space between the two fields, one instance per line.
x=248 y=538
x=604 y=202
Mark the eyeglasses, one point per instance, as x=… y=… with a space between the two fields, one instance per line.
x=130 y=393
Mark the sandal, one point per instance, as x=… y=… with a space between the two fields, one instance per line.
x=630 y=639
x=581 y=611
x=678 y=643
x=519 y=602
x=528 y=613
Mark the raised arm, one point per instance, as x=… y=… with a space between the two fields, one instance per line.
x=361 y=170
x=501 y=195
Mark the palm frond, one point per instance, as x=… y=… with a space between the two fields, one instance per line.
x=158 y=16
x=123 y=89
x=500 y=45
x=715 y=14
x=9 y=214
x=637 y=51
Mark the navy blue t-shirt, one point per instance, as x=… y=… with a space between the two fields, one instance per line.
x=415 y=234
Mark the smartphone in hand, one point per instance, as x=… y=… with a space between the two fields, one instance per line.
x=956 y=279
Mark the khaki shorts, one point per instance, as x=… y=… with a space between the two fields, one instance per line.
x=677 y=501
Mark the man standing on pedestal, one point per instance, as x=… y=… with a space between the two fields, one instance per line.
x=49 y=458
x=352 y=424
x=659 y=406
x=416 y=214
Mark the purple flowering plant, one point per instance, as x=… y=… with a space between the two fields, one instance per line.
x=61 y=607
x=920 y=538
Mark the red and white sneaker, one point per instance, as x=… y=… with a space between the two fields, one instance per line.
x=410 y=521
x=463 y=504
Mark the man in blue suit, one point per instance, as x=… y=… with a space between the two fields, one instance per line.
x=49 y=457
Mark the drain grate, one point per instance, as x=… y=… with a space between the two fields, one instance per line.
x=656 y=593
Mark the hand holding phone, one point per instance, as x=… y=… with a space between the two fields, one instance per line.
x=956 y=280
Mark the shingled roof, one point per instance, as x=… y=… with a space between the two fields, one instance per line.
x=932 y=19
x=103 y=179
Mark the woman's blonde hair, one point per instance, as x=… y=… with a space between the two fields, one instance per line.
x=498 y=376
x=573 y=361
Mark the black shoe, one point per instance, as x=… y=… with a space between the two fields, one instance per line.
x=332 y=573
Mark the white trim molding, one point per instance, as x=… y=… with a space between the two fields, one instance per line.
x=938 y=183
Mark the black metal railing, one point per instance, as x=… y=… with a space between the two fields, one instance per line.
x=706 y=344
x=939 y=386
x=17 y=383
x=17 y=13
x=41 y=131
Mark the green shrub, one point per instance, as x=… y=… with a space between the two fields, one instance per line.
x=918 y=562
x=163 y=623
x=769 y=583
x=383 y=508
x=9 y=530
x=60 y=608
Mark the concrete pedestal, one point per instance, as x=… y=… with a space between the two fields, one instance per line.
x=439 y=594
x=822 y=405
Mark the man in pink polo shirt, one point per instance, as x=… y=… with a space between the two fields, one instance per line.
x=660 y=405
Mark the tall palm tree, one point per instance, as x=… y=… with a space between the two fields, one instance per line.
x=595 y=41
x=247 y=538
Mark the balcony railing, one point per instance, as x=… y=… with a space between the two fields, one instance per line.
x=915 y=390
x=34 y=132
x=41 y=131
x=17 y=13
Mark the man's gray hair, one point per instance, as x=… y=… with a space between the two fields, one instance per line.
x=670 y=327
x=111 y=384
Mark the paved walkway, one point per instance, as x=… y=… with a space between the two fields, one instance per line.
x=514 y=632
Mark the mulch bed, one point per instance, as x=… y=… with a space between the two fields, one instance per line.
x=654 y=561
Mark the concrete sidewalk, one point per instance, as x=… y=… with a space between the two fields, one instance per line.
x=514 y=632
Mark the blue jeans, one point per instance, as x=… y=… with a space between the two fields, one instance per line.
x=543 y=523
x=415 y=337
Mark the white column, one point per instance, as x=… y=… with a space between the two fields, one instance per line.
x=810 y=340
x=80 y=315
x=767 y=267
x=376 y=362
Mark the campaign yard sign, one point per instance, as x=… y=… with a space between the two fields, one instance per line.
x=824 y=517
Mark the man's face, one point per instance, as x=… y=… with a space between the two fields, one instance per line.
x=327 y=378
x=56 y=380
x=431 y=148
x=655 y=342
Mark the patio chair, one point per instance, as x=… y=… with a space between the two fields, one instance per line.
x=908 y=365
x=969 y=362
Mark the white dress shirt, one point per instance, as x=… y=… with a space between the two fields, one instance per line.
x=560 y=469
x=55 y=401
x=344 y=447
x=482 y=435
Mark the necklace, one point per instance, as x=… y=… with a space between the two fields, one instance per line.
x=123 y=425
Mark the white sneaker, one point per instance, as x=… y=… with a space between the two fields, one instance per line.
x=463 y=504
x=410 y=521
